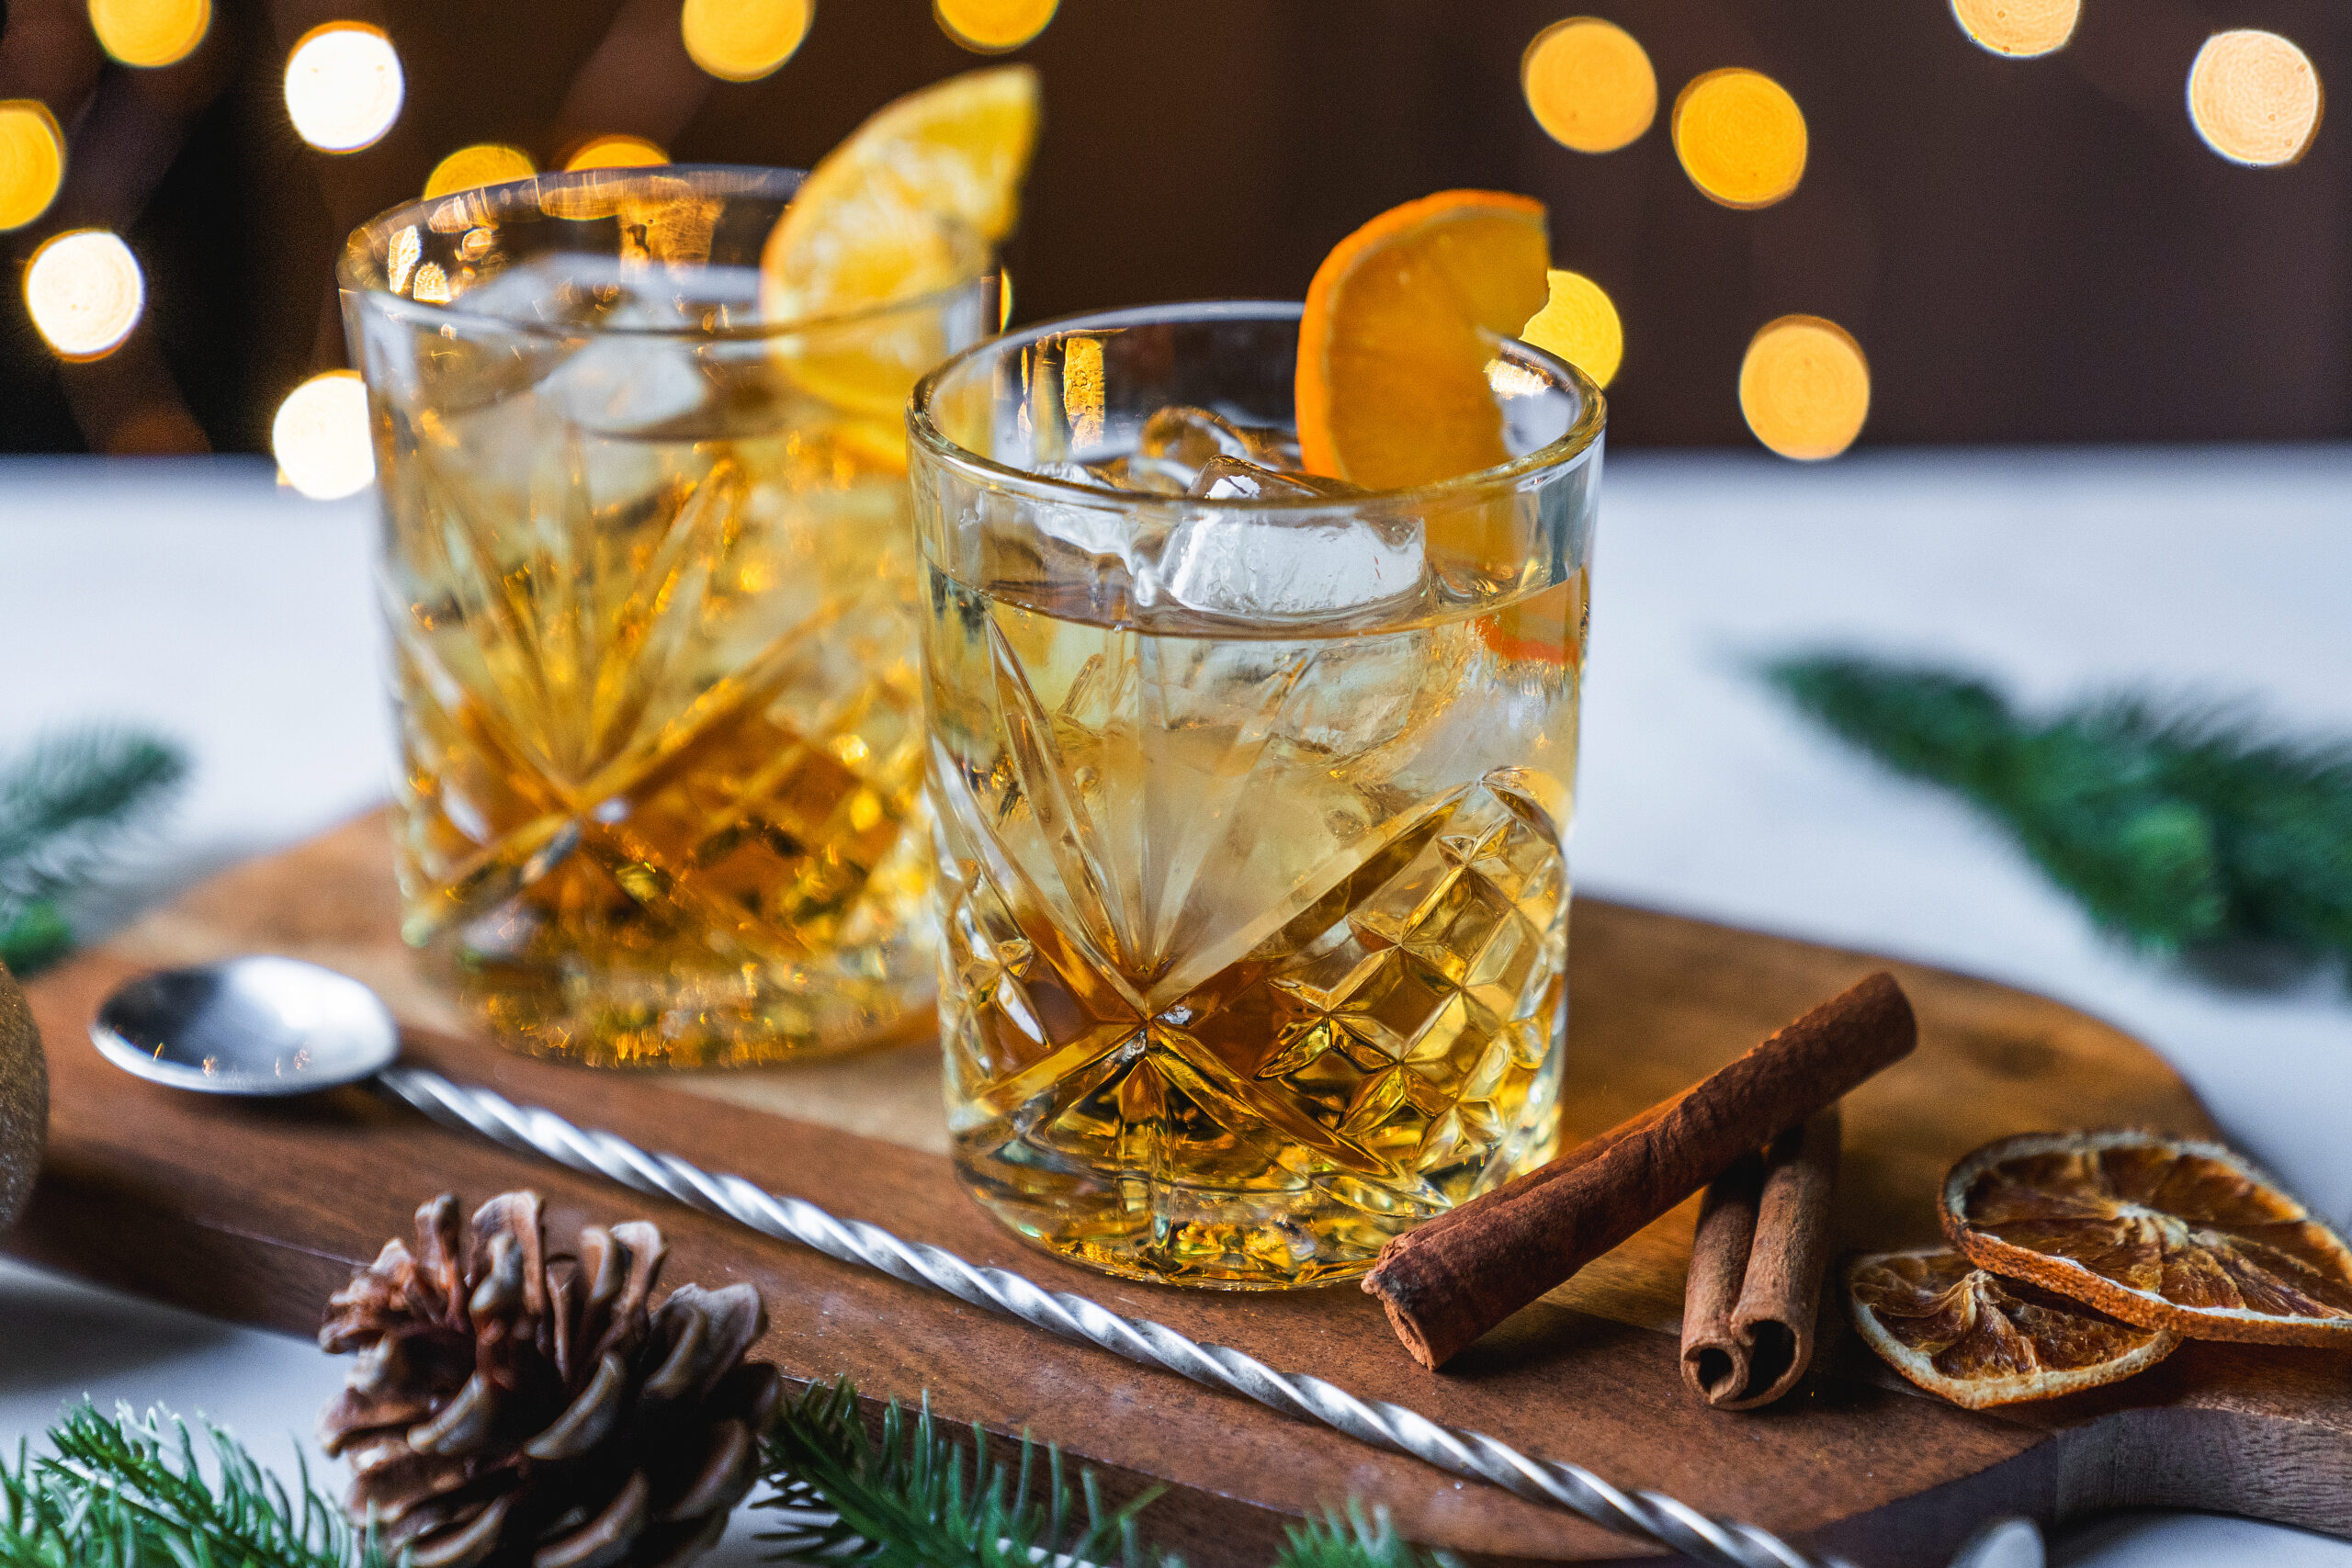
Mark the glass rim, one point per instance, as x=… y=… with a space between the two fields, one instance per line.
x=975 y=259
x=1571 y=445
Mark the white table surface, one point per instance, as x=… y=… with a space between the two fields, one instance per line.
x=202 y=600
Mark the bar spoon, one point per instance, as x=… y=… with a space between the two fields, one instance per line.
x=264 y=1025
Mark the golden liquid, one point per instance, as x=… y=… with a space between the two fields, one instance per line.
x=662 y=725
x=1254 y=948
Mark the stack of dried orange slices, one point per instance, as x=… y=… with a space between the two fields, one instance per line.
x=2077 y=1258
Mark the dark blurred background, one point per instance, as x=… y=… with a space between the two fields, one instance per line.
x=2029 y=249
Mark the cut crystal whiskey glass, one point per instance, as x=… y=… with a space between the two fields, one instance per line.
x=654 y=600
x=1251 y=791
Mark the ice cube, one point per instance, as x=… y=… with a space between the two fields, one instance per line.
x=1273 y=446
x=1385 y=693
x=564 y=292
x=631 y=385
x=1155 y=475
x=1144 y=475
x=1262 y=566
x=1236 y=479
x=1189 y=437
x=1091 y=530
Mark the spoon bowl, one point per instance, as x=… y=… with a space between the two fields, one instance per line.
x=258 y=1025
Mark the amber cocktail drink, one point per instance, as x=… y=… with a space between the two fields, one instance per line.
x=1252 y=793
x=653 y=596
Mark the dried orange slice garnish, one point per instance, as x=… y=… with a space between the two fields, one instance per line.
x=1980 y=1340
x=2162 y=1232
x=1393 y=348
x=907 y=205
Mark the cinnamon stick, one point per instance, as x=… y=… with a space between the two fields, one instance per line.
x=1756 y=1265
x=1446 y=1283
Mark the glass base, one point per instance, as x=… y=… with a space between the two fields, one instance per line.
x=746 y=1015
x=1225 y=1240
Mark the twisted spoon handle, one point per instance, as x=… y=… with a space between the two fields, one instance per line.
x=1652 y=1515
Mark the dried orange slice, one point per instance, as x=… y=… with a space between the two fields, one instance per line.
x=1398 y=328
x=1980 y=1340
x=2163 y=1232
x=908 y=205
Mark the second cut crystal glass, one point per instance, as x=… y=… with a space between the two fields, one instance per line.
x=651 y=587
x=1253 y=792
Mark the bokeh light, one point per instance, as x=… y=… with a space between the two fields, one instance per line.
x=84 y=292
x=1805 y=387
x=1579 y=323
x=344 y=86
x=484 y=163
x=616 y=153
x=1589 y=84
x=992 y=27
x=1741 y=136
x=743 y=41
x=2255 y=97
x=2018 y=27
x=32 y=161
x=319 y=437
x=150 y=33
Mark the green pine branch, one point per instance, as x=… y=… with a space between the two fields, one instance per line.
x=2178 y=830
x=916 y=1497
x=1356 y=1540
x=66 y=807
x=125 y=1491
x=153 y=1492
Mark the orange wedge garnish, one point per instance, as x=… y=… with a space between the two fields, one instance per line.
x=1980 y=1340
x=1398 y=330
x=905 y=206
x=2166 y=1233
x=868 y=225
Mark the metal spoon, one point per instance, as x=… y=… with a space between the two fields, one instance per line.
x=258 y=1025
x=278 y=1026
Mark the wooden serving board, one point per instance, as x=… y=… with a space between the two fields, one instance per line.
x=257 y=1211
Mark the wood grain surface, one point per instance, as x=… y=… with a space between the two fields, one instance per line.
x=257 y=1211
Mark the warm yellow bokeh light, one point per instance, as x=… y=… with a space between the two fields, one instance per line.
x=344 y=86
x=1579 y=323
x=319 y=437
x=1741 y=136
x=150 y=32
x=1805 y=387
x=84 y=292
x=2255 y=97
x=992 y=27
x=743 y=41
x=484 y=163
x=1589 y=85
x=32 y=161
x=616 y=153
x=2018 y=27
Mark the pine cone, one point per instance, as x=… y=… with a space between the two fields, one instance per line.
x=510 y=1408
